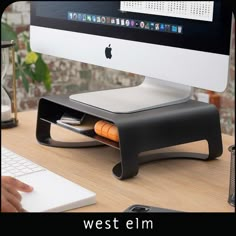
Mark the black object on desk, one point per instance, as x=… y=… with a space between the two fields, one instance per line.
x=147 y=209
x=139 y=131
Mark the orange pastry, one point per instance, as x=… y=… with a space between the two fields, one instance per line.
x=106 y=130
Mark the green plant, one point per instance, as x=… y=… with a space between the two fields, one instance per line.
x=30 y=66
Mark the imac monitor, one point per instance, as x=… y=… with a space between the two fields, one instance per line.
x=176 y=45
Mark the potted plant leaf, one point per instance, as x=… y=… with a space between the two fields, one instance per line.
x=30 y=66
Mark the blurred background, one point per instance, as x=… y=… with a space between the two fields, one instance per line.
x=39 y=75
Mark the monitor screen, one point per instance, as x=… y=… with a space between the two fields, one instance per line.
x=184 y=43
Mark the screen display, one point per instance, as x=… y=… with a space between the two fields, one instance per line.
x=183 y=24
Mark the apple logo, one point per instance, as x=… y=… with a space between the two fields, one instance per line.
x=108 y=52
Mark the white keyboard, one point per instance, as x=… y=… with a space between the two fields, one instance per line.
x=52 y=192
x=15 y=165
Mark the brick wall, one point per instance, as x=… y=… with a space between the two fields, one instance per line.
x=71 y=77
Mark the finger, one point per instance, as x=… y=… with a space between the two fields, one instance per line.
x=7 y=207
x=12 y=190
x=17 y=184
x=22 y=210
x=14 y=202
x=9 y=203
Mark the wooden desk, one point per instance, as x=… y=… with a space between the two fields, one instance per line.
x=186 y=185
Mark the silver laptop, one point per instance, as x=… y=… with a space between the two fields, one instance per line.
x=52 y=193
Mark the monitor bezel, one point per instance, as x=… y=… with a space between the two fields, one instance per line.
x=185 y=41
x=195 y=68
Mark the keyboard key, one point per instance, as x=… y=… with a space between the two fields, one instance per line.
x=16 y=165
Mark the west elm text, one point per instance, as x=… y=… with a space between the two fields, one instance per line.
x=114 y=224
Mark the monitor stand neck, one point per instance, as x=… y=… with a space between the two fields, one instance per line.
x=152 y=93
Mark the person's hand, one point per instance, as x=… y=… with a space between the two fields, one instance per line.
x=10 y=197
